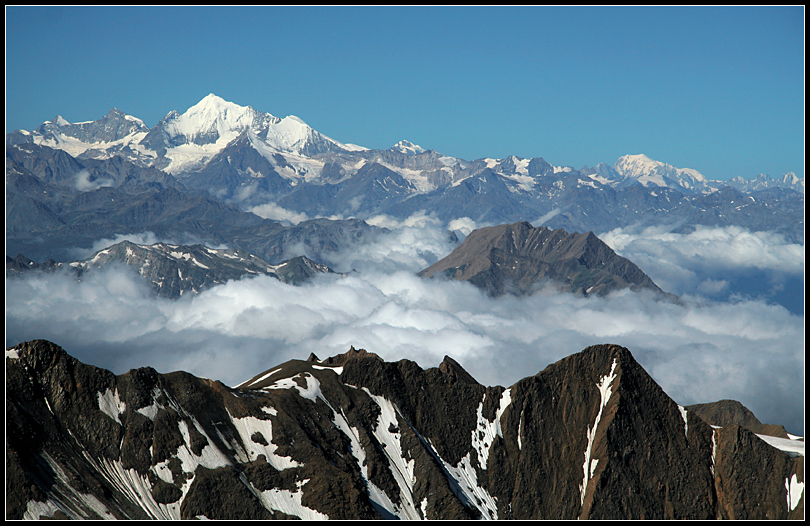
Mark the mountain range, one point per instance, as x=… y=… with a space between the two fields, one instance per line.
x=229 y=164
x=354 y=437
x=517 y=259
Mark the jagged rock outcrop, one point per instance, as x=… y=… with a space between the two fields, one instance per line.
x=356 y=437
x=725 y=413
x=519 y=258
x=174 y=270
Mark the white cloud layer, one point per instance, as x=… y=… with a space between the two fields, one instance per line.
x=721 y=263
x=698 y=351
x=276 y=212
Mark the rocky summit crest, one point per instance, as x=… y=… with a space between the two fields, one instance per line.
x=355 y=437
x=518 y=258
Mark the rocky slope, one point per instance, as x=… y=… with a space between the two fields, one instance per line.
x=174 y=270
x=56 y=203
x=354 y=437
x=519 y=258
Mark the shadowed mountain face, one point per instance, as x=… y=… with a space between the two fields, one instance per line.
x=354 y=437
x=174 y=270
x=518 y=259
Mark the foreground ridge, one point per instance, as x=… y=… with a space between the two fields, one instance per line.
x=355 y=437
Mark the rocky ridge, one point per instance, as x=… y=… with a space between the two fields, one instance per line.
x=355 y=437
x=519 y=258
x=174 y=270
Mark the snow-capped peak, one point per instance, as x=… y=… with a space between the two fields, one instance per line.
x=60 y=121
x=655 y=173
x=290 y=134
x=790 y=178
x=408 y=148
x=210 y=120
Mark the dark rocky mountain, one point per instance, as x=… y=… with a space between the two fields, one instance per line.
x=519 y=258
x=175 y=270
x=730 y=412
x=354 y=437
x=20 y=264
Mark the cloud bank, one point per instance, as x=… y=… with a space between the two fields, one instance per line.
x=698 y=351
x=725 y=263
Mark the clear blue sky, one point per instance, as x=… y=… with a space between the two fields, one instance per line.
x=720 y=89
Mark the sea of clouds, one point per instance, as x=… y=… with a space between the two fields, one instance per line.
x=721 y=341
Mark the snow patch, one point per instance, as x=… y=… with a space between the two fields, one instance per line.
x=111 y=405
x=387 y=432
x=336 y=370
x=74 y=504
x=249 y=425
x=310 y=392
x=589 y=466
x=795 y=489
x=376 y=495
x=34 y=510
x=466 y=479
x=264 y=377
x=289 y=502
x=485 y=431
x=794 y=448
x=685 y=423
x=137 y=489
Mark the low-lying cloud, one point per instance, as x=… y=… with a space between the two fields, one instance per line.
x=276 y=212
x=84 y=183
x=718 y=263
x=699 y=351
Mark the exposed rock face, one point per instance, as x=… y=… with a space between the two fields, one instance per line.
x=173 y=270
x=20 y=264
x=725 y=413
x=518 y=258
x=355 y=437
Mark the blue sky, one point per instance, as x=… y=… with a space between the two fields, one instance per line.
x=720 y=89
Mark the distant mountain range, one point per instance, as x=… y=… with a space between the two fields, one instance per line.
x=354 y=437
x=201 y=174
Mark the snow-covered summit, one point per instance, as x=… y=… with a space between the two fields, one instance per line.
x=211 y=120
x=188 y=140
x=649 y=172
x=408 y=148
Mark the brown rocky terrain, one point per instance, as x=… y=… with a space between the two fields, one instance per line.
x=518 y=258
x=355 y=437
